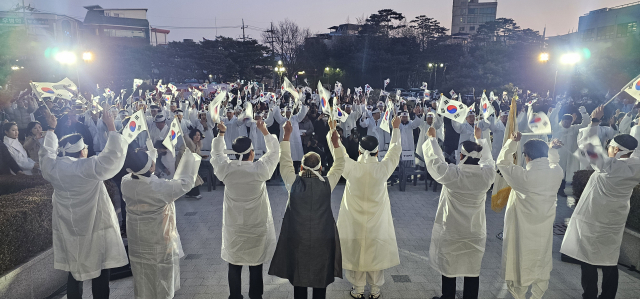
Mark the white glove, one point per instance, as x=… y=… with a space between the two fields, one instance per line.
x=582 y=109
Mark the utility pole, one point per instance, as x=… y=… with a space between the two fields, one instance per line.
x=243 y=27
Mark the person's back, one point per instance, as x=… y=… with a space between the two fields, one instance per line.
x=530 y=214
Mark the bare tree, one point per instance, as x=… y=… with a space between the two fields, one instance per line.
x=288 y=39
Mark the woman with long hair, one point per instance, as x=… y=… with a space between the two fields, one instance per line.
x=17 y=151
x=34 y=139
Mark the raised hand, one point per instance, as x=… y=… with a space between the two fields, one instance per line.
x=222 y=128
x=516 y=136
x=396 y=122
x=477 y=133
x=431 y=132
x=335 y=138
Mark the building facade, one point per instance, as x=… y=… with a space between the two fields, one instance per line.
x=116 y=26
x=159 y=37
x=608 y=24
x=467 y=15
x=49 y=28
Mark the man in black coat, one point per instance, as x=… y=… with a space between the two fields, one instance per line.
x=69 y=124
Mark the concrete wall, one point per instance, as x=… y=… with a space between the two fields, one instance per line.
x=34 y=279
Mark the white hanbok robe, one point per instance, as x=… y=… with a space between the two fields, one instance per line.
x=496 y=126
x=86 y=234
x=374 y=129
x=523 y=126
x=365 y=224
x=407 y=134
x=296 y=141
x=460 y=228
x=605 y=133
x=437 y=124
x=351 y=121
x=98 y=131
x=232 y=130
x=465 y=130
x=569 y=137
x=19 y=154
x=248 y=234
x=154 y=243
x=529 y=216
x=594 y=233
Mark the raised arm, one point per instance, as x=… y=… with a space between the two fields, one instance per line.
x=183 y=180
x=219 y=160
x=286 y=163
x=392 y=158
x=456 y=126
x=278 y=116
x=513 y=174
x=586 y=119
x=337 y=168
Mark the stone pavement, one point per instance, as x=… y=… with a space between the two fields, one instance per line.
x=204 y=273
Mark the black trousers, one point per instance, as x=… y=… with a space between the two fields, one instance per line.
x=123 y=205
x=99 y=286
x=256 y=287
x=470 y=291
x=301 y=293
x=590 y=281
x=194 y=192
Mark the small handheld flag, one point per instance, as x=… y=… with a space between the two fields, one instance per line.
x=171 y=140
x=539 y=123
x=485 y=106
x=325 y=95
x=452 y=109
x=386 y=118
x=136 y=83
x=386 y=82
x=137 y=123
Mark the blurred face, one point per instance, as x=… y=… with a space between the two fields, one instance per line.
x=229 y=115
x=429 y=120
x=37 y=130
x=179 y=116
x=197 y=137
x=12 y=133
x=160 y=125
x=154 y=112
x=347 y=110
x=404 y=119
x=566 y=123
x=288 y=114
x=504 y=118
x=471 y=119
x=376 y=116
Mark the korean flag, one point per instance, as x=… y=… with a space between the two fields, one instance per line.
x=452 y=109
x=171 y=140
x=137 y=123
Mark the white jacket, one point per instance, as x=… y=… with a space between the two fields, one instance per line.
x=86 y=234
x=594 y=234
x=496 y=126
x=365 y=225
x=248 y=234
x=424 y=127
x=296 y=141
x=529 y=216
x=460 y=229
x=569 y=137
x=19 y=154
x=154 y=243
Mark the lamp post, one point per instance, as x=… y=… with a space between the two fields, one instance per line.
x=280 y=70
x=568 y=59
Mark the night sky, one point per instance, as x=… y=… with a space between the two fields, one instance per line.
x=559 y=16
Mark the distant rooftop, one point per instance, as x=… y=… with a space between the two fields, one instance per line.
x=612 y=8
x=98 y=7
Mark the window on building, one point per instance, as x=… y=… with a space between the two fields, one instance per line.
x=472 y=20
x=473 y=11
x=123 y=33
x=472 y=28
x=117 y=15
x=589 y=35
x=627 y=29
x=461 y=29
x=606 y=32
x=107 y=14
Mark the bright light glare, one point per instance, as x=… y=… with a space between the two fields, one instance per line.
x=66 y=57
x=280 y=62
x=87 y=56
x=326 y=69
x=570 y=58
x=15 y=68
x=430 y=64
x=544 y=57
x=442 y=65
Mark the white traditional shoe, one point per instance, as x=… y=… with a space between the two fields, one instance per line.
x=375 y=296
x=355 y=294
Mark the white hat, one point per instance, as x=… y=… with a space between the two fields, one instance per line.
x=471 y=112
x=375 y=111
x=369 y=107
x=229 y=110
x=287 y=109
x=506 y=113
x=431 y=114
x=404 y=114
x=380 y=103
x=347 y=106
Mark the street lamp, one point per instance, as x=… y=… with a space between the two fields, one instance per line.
x=87 y=56
x=66 y=57
x=544 y=57
x=280 y=70
x=326 y=69
x=430 y=65
x=570 y=58
x=279 y=62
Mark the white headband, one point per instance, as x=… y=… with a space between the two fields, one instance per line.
x=232 y=152
x=367 y=152
x=145 y=168
x=72 y=148
x=313 y=170
x=466 y=154
x=623 y=150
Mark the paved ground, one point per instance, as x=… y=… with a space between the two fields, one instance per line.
x=204 y=274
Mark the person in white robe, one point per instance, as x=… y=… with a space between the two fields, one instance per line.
x=594 y=234
x=568 y=134
x=352 y=119
x=257 y=139
x=17 y=151
x=232 y=123
x=431 y=120
x=97 y=129
x=459 y=229
x=605 y=133
x=465 y=129
x=86 y=237
x=158 y=129
x=248 y=233
x=154 y=243
x=497 y=128
x=367 y=235
x=522 y=121
x=296 y=141
x=406 y=128
x=373 y=125
x=529 y=216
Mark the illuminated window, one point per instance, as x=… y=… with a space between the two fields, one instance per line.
x=627 y=29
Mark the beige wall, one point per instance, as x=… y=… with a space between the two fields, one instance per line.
x=127 y=13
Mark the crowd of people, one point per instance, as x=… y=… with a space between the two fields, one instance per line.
x=77 y=145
